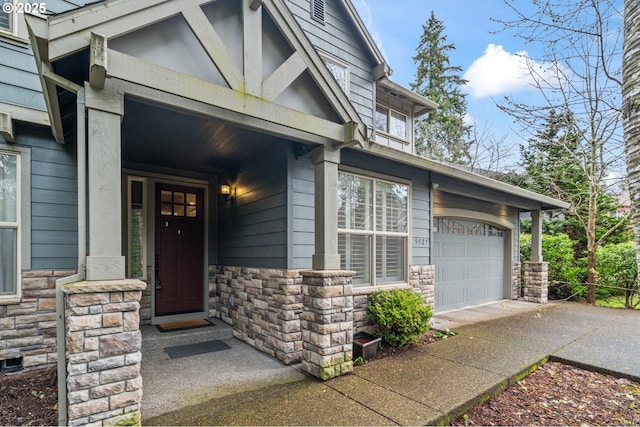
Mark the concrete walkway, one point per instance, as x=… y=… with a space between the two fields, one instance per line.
x=495 y=344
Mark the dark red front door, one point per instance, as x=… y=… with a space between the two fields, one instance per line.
x=179 y=249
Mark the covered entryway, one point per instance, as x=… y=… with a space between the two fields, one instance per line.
x=469 y=260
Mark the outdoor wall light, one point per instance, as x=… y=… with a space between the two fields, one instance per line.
x=225 y=191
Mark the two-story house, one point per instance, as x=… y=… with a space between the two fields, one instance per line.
x=167 y=160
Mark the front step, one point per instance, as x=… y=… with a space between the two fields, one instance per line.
x=153 y=339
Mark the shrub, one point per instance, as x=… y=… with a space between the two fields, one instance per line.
x=400 y=316
x=616 y=267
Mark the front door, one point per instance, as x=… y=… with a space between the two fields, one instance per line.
x=179 y=249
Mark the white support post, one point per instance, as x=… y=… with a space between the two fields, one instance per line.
x=326 y=255
x=536 y=236
x=105 y=111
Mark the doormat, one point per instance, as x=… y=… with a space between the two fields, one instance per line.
x=195 y=349
x=187 y=324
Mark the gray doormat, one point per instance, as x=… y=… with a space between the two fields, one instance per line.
x=195 y=349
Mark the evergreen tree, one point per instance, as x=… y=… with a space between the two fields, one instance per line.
x=554 y=164
x=441 y=134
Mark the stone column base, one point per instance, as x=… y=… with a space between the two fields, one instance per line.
x=536 y=282
x=327 y=323
x=103 y=339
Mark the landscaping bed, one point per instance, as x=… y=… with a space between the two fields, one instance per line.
x=29 y=398
x=558 y=394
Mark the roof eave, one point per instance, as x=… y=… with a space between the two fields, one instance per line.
x=422 y=105
x=545 y=202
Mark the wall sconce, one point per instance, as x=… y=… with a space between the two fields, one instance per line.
x=225 y=192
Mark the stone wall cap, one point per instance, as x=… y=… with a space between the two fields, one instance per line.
x=328 y=273
x=94 y=286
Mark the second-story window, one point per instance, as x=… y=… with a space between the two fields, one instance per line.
x=391 y=122
x=6 y=16
x=339 y=71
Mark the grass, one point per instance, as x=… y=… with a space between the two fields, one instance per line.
x=616 y=301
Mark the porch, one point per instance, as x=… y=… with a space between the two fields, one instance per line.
x=192 y=375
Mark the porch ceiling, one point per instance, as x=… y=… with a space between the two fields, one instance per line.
x=159 y=136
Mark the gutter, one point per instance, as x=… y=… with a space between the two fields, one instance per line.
x=82 y=257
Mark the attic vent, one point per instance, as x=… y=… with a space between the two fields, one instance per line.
x=317 y=10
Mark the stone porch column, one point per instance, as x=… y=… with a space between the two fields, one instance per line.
x=536 y=282
x=103 y=340
x=326 y=257
x=327 y=323
x=105 y=112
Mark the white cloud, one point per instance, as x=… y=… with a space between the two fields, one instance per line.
x=498 y=72
x=364 y=10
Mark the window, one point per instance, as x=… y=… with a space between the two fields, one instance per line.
x=450 y=226
x=391 y=122
x=373 y=229
x=9 y=223
x=137 y=228
x=7 y=16
x=339 y=71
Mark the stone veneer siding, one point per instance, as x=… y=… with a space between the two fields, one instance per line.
x=263 y=305
x=28 y=324
x=327 y=323
x=422 y=280
x=103 y=340
x=516 y=280
x=536 y=282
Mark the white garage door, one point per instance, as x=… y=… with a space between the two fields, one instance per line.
x=469 y=260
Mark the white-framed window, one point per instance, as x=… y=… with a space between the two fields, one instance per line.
x=373 y=229
x=137 y=227
x=340 y=72
x=391 y=122
x=7 y=17
x=10 y=224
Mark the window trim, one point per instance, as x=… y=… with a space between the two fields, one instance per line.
x=347 y=71
x=387 y=132
x=373 y=285
x=23 y=215
x=13 y=21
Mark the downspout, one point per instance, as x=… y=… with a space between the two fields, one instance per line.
x=81 y=143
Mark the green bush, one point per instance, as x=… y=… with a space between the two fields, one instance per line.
x=616 y=267
x=400 y=316
x=565 y=271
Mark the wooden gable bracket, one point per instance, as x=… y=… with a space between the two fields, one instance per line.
x=6 y=127
x=352 y=136
x=97 y=60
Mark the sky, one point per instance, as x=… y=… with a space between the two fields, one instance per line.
x=491 y=59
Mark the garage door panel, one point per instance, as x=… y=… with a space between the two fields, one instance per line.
x=449 y=296
x=451 y=272
x=453 y=249
x=477 y=250
x=469 y=267
x=475 y=294
x=476 y=271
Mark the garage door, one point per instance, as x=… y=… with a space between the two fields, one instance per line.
x=469 y=260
